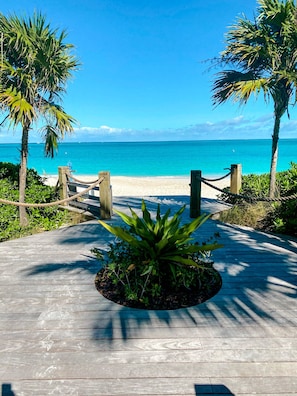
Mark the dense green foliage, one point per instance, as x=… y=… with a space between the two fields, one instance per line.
x=278 y=216
x=152 y=253
x=40 y=219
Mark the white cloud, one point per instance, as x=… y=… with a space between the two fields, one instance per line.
x=103 y=129
x=234 y=128
x=110 y=129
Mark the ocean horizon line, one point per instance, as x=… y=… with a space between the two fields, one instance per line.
x=150 y=159
x=66 y=141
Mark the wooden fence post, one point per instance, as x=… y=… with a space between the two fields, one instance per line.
x=105 y=196
x=195 y=198
x=63 y=189
x=235 y=184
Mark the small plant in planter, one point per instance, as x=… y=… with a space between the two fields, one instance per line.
x=152 y=264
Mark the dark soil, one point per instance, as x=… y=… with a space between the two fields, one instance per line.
x=168 y=300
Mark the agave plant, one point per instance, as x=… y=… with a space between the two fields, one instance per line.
x=156 y=252
x=161 y=240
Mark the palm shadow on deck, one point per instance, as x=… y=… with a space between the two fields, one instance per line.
x=259 y=284
x=259 y=273
x=6 y=390
x=212 y=390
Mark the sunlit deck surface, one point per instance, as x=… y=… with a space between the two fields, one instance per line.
x=59 y=336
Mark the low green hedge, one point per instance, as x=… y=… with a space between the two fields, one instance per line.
x=40 y=219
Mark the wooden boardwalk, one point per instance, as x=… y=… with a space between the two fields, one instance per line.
x=58 y=336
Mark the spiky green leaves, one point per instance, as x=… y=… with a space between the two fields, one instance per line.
x=163 y=239
x=153 y=258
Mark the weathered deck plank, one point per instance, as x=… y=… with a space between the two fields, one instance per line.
x=59 y=336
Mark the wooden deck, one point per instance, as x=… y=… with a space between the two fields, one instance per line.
x=58 y=336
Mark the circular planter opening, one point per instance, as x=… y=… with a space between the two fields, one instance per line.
x=168 y=300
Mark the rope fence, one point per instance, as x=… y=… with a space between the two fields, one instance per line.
x=218 y=179
x=55 y=203
x=248 y=197
x=65 y=175
x=235 y=186
x=70 y=175
x=104 y=198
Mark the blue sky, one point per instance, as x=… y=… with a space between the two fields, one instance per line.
x=143 y=73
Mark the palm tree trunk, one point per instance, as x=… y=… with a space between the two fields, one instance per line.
x=23 y=176
x=274 y=156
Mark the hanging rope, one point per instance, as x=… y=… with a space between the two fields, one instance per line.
x=249 y=198
x=219 y=178
x=59 y=202
x=70 y=176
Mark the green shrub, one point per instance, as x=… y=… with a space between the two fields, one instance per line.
x=279 y=216
x=40 y=219
x=153 y=253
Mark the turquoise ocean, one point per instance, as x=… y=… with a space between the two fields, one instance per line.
x=176 y=158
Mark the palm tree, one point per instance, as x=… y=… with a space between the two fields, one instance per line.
x=35 y=65
x=263 y=57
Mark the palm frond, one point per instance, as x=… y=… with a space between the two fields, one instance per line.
x=263 y=55
x=35 y=67
x=238 y=86
x=20 y=110
x=51 y=139
x=63 y=121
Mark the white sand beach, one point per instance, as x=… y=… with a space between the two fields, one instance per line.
x=152 y=186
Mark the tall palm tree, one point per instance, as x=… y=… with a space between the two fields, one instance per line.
x=35 y=65
x=263 y=54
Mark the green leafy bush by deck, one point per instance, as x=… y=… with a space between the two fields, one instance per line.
x=279 y=216
x=40 y=219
